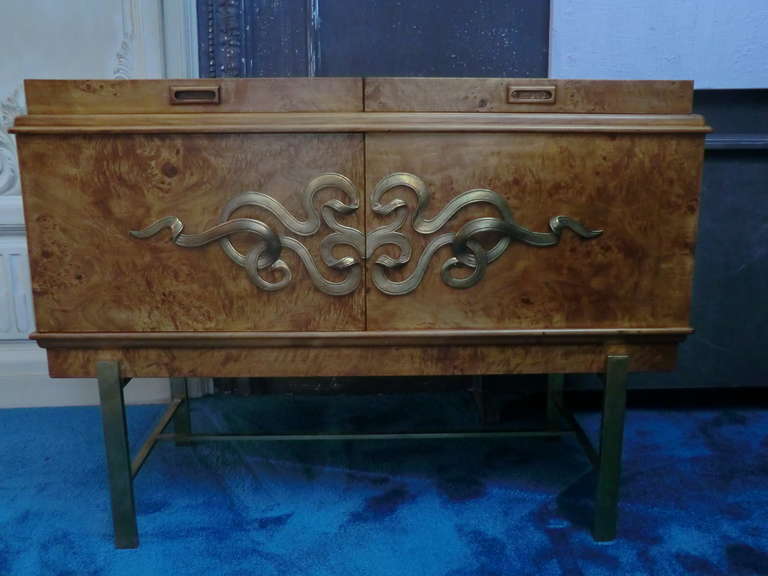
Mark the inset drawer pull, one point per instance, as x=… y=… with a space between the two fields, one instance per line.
x=531 y=94
x=195 y=94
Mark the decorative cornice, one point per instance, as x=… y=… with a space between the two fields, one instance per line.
x=10 y=108
x=321 y=122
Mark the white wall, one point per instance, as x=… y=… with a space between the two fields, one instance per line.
x=716 y=43
x=58 y=39
x=70 y=39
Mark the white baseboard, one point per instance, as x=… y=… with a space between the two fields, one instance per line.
x=24 y=382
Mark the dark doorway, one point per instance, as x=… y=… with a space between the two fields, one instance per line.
x=373 y=38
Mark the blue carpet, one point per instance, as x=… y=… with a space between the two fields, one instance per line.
x=694 y=495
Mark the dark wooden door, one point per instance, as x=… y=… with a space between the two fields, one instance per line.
x=493 y=38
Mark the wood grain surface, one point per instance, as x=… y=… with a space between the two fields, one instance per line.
x=359 y=361
x=153 y=96
x=355 y=338
x=83 y=194
x=490 y=95
x=356 y=94
x=307 y=122
x=641 y=190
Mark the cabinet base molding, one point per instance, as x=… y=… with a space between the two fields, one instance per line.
x=342 y=361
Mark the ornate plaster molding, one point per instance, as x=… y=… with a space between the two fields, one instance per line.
x=141 y=51
x=11 y=107
x=125 y=59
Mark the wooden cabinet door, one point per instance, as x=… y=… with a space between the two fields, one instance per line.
x=640 y=189
x=84 y=194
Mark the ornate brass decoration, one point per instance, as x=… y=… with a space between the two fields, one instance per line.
x=266 y=253
x=468 y=252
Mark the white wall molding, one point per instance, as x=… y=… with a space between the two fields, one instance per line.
x=141 y=50
x=11 y=107
x=16 y=313
x=180 y=37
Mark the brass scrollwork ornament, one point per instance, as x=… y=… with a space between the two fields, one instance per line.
x=467 y=251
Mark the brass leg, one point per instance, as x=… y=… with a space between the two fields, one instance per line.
x=181 y=419
x=554 y=399
x=118 y=455
x=611 y=438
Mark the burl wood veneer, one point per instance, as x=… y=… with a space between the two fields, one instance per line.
x=639 y=189
x=499 y=294
x=89 y=277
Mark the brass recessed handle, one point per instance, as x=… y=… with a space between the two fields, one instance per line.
x=531 y=94
x=195 y=94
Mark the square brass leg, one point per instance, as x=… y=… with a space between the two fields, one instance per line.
x=117 y=453
x=182 y=424
x=611 y=439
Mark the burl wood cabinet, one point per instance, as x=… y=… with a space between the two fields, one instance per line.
x=348 y=227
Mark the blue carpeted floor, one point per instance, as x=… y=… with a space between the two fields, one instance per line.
x=694 y=496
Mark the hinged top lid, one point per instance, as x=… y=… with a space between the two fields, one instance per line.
x=279 y=105
x=532 y=95
x=209 y=95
